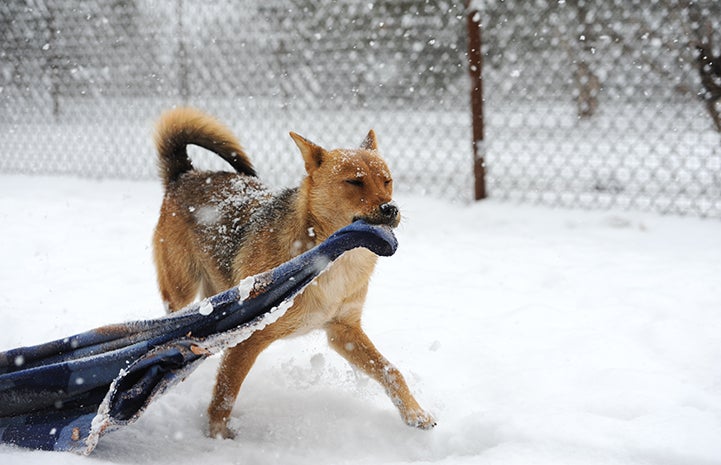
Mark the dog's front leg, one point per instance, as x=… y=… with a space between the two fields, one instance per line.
x=349 y=340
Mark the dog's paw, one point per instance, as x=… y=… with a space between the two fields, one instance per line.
x=419 y=419
x=220 y=430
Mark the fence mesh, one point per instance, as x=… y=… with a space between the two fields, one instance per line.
x=605 y=103
x=83 y=82
x=587 y=103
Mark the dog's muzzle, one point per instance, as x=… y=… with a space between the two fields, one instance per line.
x=389 y=211
x=386 y=214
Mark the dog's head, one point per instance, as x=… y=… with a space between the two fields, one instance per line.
x=344 y=185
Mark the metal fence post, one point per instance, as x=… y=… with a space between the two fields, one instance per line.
x=475 y=69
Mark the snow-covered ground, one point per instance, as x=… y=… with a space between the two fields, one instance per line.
x=535 y=336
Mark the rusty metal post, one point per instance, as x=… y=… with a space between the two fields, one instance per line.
x=475 y=69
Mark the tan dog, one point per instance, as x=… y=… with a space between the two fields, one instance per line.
x=216 y=228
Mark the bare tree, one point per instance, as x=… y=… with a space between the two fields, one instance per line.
x=586 y=82
x=708 y=64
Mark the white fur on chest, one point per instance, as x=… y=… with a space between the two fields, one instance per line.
x=336 y=294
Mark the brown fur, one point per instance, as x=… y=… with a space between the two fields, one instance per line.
x=216 y=228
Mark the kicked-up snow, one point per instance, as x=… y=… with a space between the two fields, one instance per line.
x=533 y=335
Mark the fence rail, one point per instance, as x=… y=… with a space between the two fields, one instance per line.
x=586 y=103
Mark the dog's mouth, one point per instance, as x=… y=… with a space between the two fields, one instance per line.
x=377 y=221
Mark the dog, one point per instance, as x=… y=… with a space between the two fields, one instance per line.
x=216 y=228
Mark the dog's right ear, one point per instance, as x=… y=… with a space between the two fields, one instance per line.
x=312 y=153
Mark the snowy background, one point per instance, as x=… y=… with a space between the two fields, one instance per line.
x=534 y=335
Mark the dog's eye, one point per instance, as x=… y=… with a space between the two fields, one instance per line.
x=388 y=182
x=355 y=182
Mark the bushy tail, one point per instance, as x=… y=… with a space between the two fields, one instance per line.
x=182 y=126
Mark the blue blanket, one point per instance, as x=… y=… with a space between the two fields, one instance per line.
x=65 y=394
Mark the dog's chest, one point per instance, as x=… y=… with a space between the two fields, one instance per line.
x=338 y=293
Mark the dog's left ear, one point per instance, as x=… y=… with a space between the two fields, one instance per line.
x=312 y=153
x=370 y=142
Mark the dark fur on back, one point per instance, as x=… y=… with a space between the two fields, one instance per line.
x=227 y=208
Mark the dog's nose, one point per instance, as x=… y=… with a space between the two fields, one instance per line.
x=389 y=210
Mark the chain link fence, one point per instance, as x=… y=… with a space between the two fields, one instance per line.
x=587 y=103
x=605 y=103
x=82 y=83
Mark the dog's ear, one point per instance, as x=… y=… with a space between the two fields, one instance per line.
x=312 y=153
x=370 y=142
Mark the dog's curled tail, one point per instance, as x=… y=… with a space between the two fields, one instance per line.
x=180 y=127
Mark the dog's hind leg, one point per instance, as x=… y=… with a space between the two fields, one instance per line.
x=349 y=340
x=178 y=276
x=178 y=286
x=234 y=367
